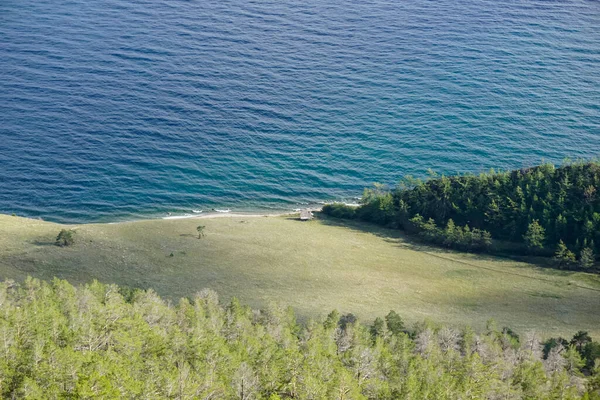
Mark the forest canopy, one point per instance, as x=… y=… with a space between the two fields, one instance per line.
x=103 y=341
x=541 y=210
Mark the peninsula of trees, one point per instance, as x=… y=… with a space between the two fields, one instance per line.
x=102 y=341
x=541 y=210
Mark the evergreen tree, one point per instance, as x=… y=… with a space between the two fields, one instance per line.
x=378 y=328
x=486 y=240
x=394 y=322
x=580 y=340
x=535 y=236
x=586 y=258
x=591 y=354
x=564 y=256
x=66 y=237
x=541 y=205
x=450 y=233
x=60 y=341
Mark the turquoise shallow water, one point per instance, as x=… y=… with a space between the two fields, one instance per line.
x=113 y=109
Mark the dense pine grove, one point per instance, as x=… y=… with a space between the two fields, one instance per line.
x=541 y=210
x=102 y=341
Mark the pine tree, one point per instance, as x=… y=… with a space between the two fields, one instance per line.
x=394 y=322
x=377 y=329
x=580 y=339
x=65 y=237
x=60 y=341
x=450 y=233
x=535 y=236
x=564 y=256
x=586 y=258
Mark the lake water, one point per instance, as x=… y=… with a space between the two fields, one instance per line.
x=122 y=109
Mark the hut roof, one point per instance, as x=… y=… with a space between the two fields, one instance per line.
x=306 y=214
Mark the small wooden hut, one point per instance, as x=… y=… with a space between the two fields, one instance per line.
x=306 y=215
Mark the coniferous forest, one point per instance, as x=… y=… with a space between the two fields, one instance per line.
x=541 y=210
x=101 y=341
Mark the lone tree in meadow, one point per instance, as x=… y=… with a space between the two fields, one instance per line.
x=65 y=238
x=535 y=236
x=200 y=229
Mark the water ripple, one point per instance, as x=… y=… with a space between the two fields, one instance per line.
x=122 y=109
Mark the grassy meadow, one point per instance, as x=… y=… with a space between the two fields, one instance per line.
x=313 y=266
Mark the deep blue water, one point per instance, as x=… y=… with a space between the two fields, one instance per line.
x=113 y=109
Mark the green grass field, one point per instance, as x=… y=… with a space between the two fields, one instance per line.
x=313 y=266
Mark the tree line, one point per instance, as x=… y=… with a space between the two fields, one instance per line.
x=104 y=341
x=541 y=210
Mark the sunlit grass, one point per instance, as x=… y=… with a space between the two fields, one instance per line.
x=313 y=266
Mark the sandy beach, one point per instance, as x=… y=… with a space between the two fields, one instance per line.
x=216 y=214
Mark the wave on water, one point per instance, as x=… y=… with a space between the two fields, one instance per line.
x=121 y=110
x=179 y=216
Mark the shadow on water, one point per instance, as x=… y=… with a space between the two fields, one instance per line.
x=399 y=238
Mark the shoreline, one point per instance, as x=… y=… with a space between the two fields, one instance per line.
x=216 y=214
x=233 y=214
x=208 y=215
x=181 y=213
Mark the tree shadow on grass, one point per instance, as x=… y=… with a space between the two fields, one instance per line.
x=389 y=235
x=401 y=239
x=396 y=236
x=43 y=242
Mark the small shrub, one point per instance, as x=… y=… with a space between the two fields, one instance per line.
x=66 y=237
